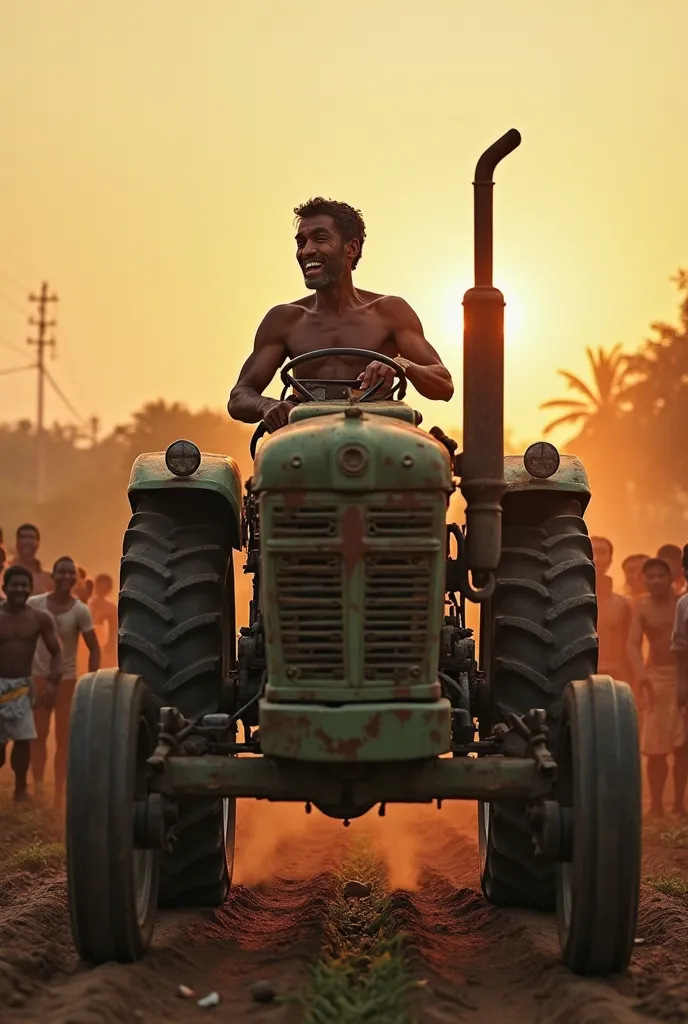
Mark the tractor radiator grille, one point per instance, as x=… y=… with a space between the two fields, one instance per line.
x=400 y=522
x=397 y=599
x=312 y=521
x=367 y=622
x=310 y=615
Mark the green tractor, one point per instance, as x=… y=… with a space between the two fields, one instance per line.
x=356 y=681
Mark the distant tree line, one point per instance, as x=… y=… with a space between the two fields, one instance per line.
x=629 y=423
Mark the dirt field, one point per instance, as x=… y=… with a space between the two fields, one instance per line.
x=477 y=963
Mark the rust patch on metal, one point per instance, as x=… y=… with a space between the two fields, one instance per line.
x=435 y=736
x=403 y=499
x=403 y=714
x=372 y=729
x=388 y=460
x=293 y=499
x=353 y=545
x=347 y=749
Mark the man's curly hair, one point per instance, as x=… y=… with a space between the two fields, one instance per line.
x=350 y=223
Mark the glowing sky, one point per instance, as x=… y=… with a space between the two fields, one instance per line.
x=152 y=151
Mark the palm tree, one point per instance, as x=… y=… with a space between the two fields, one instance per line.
x=599 y=402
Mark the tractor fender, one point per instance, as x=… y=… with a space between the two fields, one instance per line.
x=218 y=474
x=570 y=478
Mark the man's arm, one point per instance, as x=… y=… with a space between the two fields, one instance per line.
x=625 y=630
x=85 y=620
x=679 y=648
x=417 y=357
x=49 y=637
x=246 y=401
x=635 y=646
x=91 y=641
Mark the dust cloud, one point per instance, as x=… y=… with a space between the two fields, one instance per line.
x=269 y=836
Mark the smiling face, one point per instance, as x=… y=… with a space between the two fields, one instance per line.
x=17 y=589
x=658 y=581
x=27 y=543
x=64 y=576
x=322 y=253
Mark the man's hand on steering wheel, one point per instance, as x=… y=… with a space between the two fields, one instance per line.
x=277 y=415
x=375 y=372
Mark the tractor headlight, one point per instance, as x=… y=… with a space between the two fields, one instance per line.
x=182 y=458
x=541 y=460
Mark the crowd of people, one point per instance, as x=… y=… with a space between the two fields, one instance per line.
x=56 y=625
x=643 y=639
x=53 y=627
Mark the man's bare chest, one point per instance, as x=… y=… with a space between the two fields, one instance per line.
x=311 y=333
x=18 y=629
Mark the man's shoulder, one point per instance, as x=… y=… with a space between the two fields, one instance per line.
x=37 y=605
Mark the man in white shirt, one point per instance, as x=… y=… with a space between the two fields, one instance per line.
x=72 y=620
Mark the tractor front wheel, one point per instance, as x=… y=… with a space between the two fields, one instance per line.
x=112 y=878
x=599 y=789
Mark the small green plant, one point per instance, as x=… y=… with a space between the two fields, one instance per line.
x=676 y=837
x=671 y=885
x=363 y=976
x=37 y=856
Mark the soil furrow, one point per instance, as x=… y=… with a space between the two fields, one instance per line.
x=478 y=962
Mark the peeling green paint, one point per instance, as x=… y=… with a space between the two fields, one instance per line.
x=217 y=473
x=570 y=476
x=356 y=732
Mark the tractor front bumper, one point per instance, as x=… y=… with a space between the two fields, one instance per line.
x=362 y=785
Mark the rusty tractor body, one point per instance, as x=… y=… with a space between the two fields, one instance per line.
x=356 y=681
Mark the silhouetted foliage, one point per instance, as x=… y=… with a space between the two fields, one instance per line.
x=86 y=509
x=633 y=422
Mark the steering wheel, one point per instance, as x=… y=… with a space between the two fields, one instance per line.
x=305 y=357
x=399 y=389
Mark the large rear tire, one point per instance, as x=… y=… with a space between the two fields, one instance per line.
x=541 y=634
x=177 y=630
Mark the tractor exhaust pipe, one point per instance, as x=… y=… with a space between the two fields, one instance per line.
x=482 y=461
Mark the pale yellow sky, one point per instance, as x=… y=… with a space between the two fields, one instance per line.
x=152 y=151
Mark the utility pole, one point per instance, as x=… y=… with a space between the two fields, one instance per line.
x=41 y=343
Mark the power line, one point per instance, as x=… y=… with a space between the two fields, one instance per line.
x=61 y=395
x=18 y=264
x=41 y=342
x=13 y=282
x=18 y=369
x=12 y=304
x=10 y=345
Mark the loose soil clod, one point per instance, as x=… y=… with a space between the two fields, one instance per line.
x=355 y=890
x=263 y=992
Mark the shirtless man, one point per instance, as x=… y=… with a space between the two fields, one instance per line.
x=614 y=615
x=634 y=581
x=104 y=614
x=671 y=553
x=20 y=629
x=72 y=621
x=664 y=725
x=679 y=648
x=27 y=544
x=329 y=244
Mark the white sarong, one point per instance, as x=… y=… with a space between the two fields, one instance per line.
x=16 y=710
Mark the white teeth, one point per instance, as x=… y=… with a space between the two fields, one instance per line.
x=312 y=263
